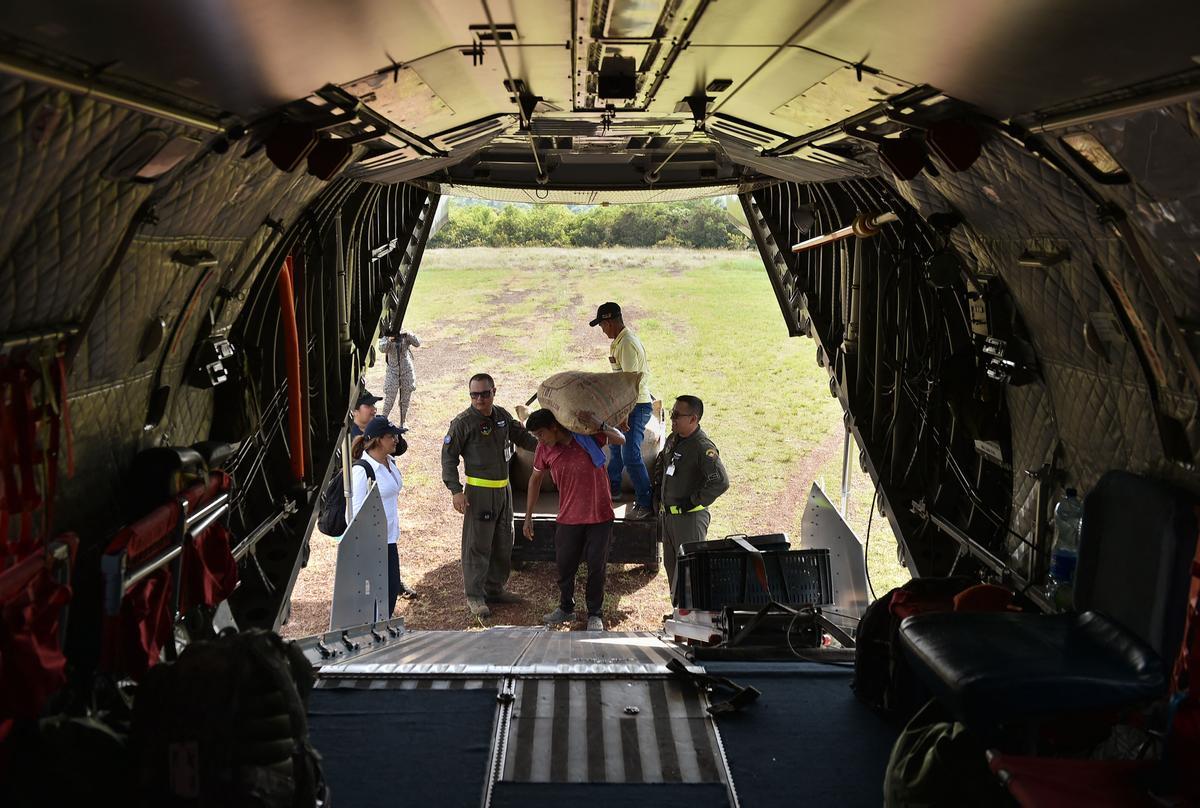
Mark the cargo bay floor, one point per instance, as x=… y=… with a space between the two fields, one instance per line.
x=519 y=716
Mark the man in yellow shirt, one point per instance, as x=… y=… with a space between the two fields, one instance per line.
x=627 y=354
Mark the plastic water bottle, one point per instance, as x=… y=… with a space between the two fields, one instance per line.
x=1068 y=518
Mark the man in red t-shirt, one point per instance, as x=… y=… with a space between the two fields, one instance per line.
x=584 y=525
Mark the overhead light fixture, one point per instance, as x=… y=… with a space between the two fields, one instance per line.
x=1094 y=157
x=151 y=154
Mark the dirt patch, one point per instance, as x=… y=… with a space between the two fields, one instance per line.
x=795 y=493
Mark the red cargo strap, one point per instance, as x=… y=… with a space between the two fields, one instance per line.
x=210 y=572
x=209 y=569
x=134 y=638
x=291 y=355
x=32 y=665
x=19 y=438
x=147 y=536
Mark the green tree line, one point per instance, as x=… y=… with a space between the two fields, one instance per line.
x=699 y=224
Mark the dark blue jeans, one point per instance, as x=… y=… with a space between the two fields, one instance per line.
x=629 y=457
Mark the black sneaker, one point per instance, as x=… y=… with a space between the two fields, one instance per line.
x=638 y=513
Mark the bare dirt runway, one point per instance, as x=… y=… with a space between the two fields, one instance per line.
x=711 y=327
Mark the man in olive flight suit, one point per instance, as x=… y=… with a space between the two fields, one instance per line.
x=483 y=435
x=688 y=476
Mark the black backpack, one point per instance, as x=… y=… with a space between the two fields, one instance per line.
x=226 y=725
x=882 y=677
x=332 y=517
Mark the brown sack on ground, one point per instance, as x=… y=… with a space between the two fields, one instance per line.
x=609 y=396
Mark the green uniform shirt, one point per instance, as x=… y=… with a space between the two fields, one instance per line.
x=689 y=472
x=626 y=354
x=483 y=443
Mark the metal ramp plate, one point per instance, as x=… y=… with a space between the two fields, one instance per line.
x=610 y=731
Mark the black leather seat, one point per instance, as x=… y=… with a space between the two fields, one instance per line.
x=1030 y=665
x=1131 y=586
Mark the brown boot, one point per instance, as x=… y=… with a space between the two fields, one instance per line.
x=478 y=608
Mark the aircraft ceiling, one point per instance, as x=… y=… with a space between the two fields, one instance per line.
x=428 y=83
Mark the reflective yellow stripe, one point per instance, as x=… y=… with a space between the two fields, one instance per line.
x=482 y=483
x=677 y=509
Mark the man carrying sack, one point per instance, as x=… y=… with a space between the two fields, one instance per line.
x=688 y=476
x=483 y=436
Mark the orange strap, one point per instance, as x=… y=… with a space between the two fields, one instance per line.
x=291 y=354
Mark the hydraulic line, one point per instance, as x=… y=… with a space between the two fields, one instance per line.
x=287 y=310
x=652 y=175
x=512 y=86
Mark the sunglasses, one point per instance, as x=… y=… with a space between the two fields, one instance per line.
x=676 y=414
x=482 y=393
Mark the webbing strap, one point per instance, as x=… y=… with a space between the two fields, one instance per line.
x=482 y=482
x=678 y=509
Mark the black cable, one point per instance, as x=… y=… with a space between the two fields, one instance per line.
x=867 y=545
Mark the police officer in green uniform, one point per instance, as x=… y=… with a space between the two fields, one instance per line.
x=482 y=435
x=688 y=476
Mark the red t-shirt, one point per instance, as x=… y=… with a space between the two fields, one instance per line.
x=583 y=497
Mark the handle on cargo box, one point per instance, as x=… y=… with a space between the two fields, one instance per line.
x=532 y=399
x=760 y=567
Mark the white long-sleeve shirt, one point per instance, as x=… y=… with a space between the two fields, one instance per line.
x=389 y=481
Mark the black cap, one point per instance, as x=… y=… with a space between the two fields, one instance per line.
x=607 y=311
x=380 y=426
x=365 y=398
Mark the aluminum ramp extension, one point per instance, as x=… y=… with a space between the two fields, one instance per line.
x=573 y=710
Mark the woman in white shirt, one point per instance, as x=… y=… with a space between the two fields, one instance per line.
x=375 y=447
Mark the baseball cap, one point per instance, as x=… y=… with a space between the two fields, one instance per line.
x=380 y=426
x=365 y=398
x=607 y=311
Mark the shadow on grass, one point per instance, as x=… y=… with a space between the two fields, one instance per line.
x=443 y=605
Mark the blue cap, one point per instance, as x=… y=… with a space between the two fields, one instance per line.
x=380 y=426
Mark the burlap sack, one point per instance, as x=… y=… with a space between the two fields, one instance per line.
x=609 y=396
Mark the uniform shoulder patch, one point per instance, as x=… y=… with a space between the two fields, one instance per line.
x=711 y=451
x=446 y=439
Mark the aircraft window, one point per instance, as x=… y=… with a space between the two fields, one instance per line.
x=1094 y=157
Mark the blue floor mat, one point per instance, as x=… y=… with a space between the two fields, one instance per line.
x=403 y=747
x=806 y=740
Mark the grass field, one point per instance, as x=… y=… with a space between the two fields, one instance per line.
x=711 y=327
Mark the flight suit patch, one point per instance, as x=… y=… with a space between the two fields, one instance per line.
x=486 y=429
x=712 y=453
x=501 y=423
x=446 y=440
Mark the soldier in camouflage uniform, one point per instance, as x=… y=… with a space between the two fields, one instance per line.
x=483 y=436
x=688 y=476
x=399 y=377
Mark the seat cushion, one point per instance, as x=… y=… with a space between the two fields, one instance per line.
x=1004 y=667
x=1061 y=783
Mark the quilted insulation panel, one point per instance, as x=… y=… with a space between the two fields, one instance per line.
x=1097 y=409
x=63 y=224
